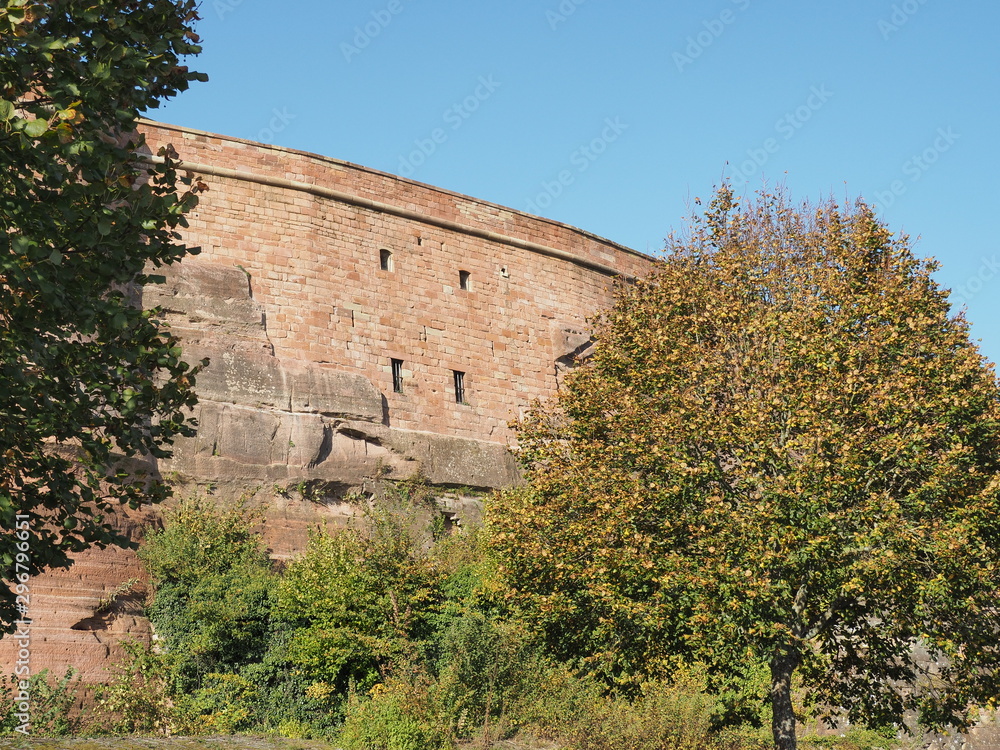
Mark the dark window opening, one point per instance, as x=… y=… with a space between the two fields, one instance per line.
x=385 y=260
x=459 y=386
x=397 y=375
x=464 y=282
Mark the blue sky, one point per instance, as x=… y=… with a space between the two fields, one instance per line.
x=613 y=116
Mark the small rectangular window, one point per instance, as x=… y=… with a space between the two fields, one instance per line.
x=459 y=386
x=385 y=260
x=397 y=375
x=464 y=282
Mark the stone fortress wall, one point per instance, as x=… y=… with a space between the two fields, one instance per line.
x=309 y=232
x=318 y=277
x=314 y=276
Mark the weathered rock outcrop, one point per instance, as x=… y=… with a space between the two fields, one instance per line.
x=262 y=420
x=80 y=616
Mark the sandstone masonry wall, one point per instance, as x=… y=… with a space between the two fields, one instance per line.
x=314 y=267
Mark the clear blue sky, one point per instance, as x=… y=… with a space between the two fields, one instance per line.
x=612 y=116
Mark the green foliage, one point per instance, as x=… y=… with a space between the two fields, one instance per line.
x=52 y=704
x=228 y=703
x=214 y=611
x=783 y=451
x=142 y=697
x=382 y=642
x=854 y=738
x=358 y=603
x=399 y=715
x=214 y=589
x=487 y=669
x=679 y=713
x=361 y=609
x=91 y=386
x=682 y=712
x=200 y=540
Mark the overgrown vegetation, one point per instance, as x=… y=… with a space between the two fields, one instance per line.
x=380 y=636
x=52 y=704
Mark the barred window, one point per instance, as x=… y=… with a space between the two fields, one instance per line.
x=397 y=375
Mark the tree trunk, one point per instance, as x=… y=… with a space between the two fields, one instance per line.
x=783 y=716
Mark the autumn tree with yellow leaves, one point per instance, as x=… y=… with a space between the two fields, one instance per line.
x=783 y=451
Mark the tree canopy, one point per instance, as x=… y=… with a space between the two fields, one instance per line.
x=87 y=378
x=784 y=450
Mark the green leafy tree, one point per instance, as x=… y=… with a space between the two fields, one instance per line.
x=87 y=378
x=783 y=451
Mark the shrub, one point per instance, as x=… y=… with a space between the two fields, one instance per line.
x=142 y=697
x=677 y=714
x=214 y=589
x=52 y=704
x=199 y=539
x=229 y=703
x=488 y=666
x=397 y=715
x=357 y=604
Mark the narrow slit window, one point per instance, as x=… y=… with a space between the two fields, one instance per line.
x=397 y=375
x=385 y=260
x=459 y=386
x=464 y=280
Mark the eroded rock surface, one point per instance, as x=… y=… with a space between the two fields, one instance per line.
x=267 y=420
x=80 y=616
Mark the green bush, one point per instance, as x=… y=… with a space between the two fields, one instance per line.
x=854 y=738
x=228 y=703
x=390 y=640
x=277 y=697
x=142 y=697
x=213 y=588
x=214 y=591
x=216 y=624
x=398 y=715
x=676 y=714
x=200 y=539
x=487 y=668
x=52 y=704
x=357 y=604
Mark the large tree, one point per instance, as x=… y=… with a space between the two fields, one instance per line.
x=784 y=450
x=88 y=380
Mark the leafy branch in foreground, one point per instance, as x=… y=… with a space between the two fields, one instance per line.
x=92 y=388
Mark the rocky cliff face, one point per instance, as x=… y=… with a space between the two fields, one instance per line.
x=264 y=420
x=80 y=616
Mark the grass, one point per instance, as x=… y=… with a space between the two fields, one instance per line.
x=164 y=743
